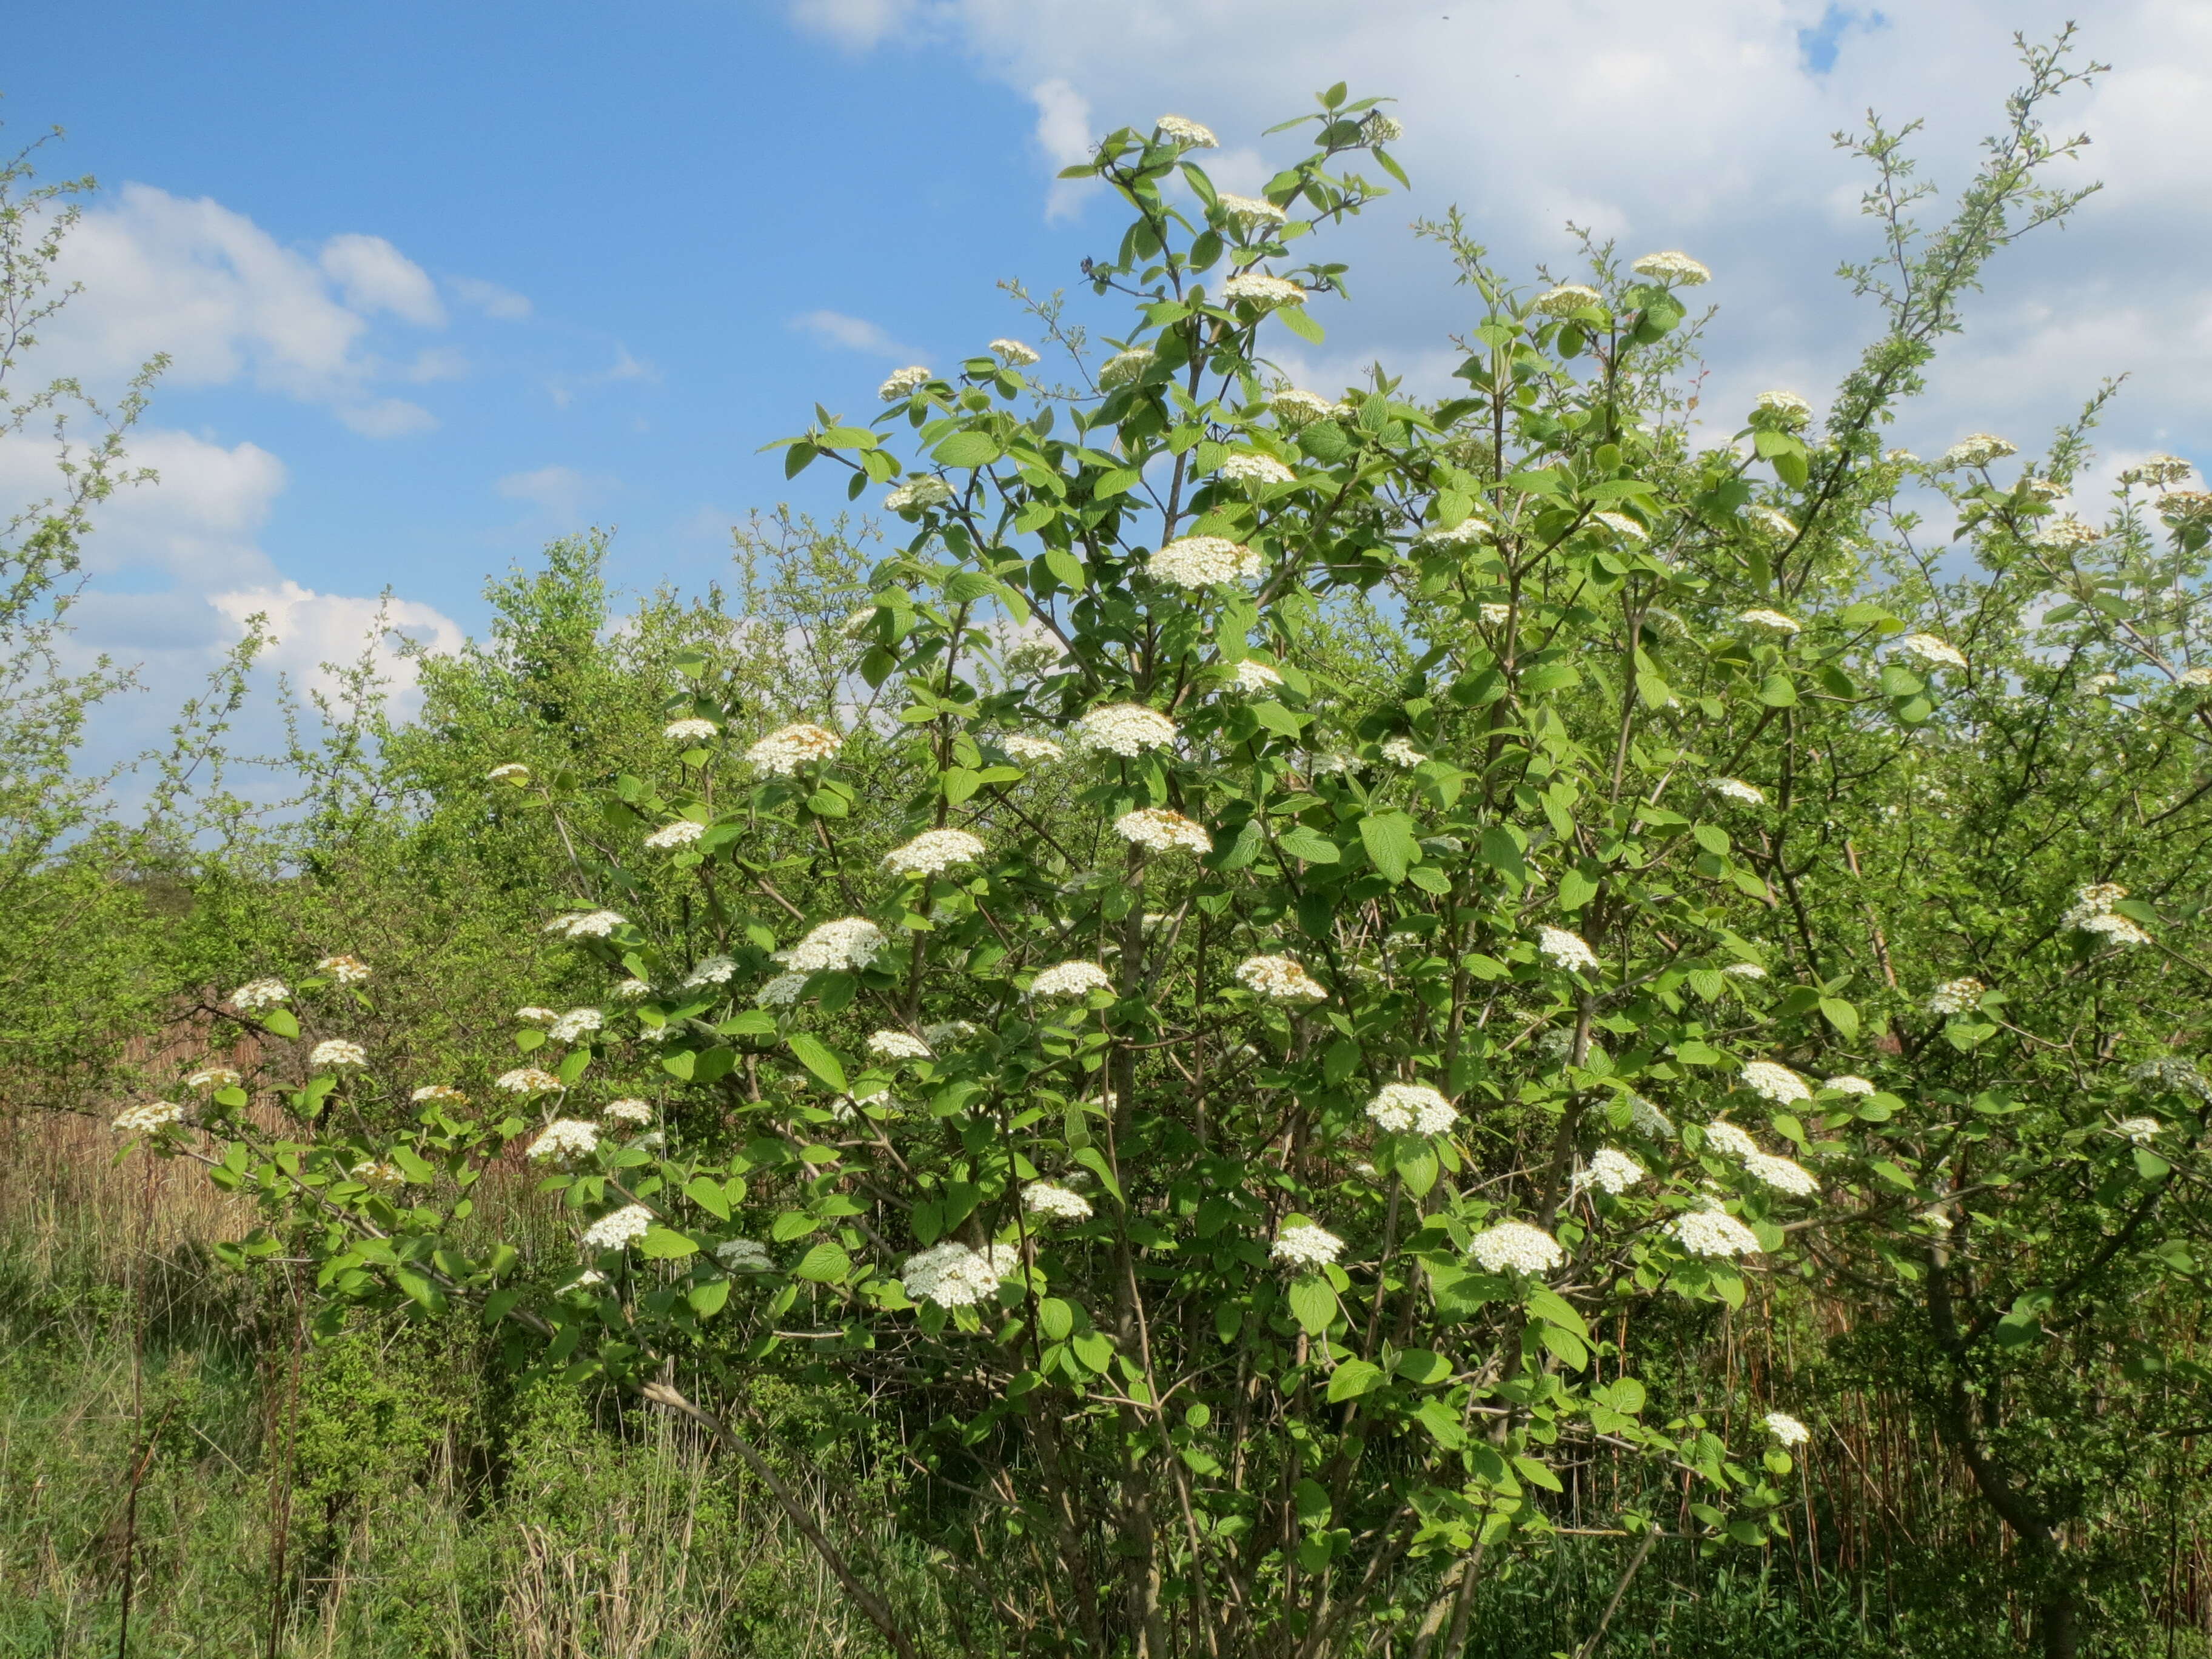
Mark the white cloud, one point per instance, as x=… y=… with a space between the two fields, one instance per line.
x=374 y=276
x=558 y=492
x=227 y=302
x=387 y=417
x=309 y=630
x=1063 y=134
x=857 y=23
x=851 y=333
x=501 y=304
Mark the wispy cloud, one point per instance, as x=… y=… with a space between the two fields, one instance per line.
x=848 y=333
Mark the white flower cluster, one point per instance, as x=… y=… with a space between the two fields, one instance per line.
x=745 y=1255
x=903 y=383
x=1565 y=950
x=148 y=1117
x=514 y=772
x=1496 y=615
x=528 y=1080
x=682 y=832
x=223 y=1077
x=564 y=1139
x=1782 y=1174
x=1565 y=298
x=1672 y=267
x=257 y=994
x=1737 y=789
x=439 y=1094
x=691 y=730
x=1031 y=751
x=1621 y=525
x=1305 y=1247
x=1042 y=1198
x=1412 y=1108
x=933 y=852
x=849 y=942
x=1744 y=970
x=2200 y=675
x=1609 y=1170
x=1400 y=751
x=1956 y=996
x=1203 y=561
x=783 y=751
x=1126 y=728
x=1281 y=979
x=1975 y=449
x=1785 y=406
x=1936 y=652
x=1257 y=288
x=1469 y=531
x=345 y=970
x=1296 y=408
x=1124 y=366
x=2093 y=913
x=916 y=495
x=1380 y=128
x=576 y=1024
x=1517 y=1246
x=1848 y=1084
x=2184 y=507
x=2157 y=470
x=710 y=970
x=2065 y=534
x=1249 y=212
x=1729 y=1139
x=1777 y=524
x=336 y=1052
x=1157 y=829
x=2174 y=1074
x=1259 y=470
x=373 y=1172
x=1777 y=1083
x=1071 y=979
x=618 y=1229
x=1646 y=1119
x=1785 y=1428
x=2139 y=1130
x=630 y=1111
x=1773 y=619
x=1713 y=1232
x=1188 y=134
x=897 y=1045
x=584 y=924
x=781 y=992
x=948 y=1032
x=1254 y=677
x=1014 y=354
x=953 y=1276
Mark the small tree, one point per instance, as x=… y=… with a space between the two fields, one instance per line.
x=1307 y=957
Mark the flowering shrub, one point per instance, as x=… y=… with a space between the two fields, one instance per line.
x=1251 y=1221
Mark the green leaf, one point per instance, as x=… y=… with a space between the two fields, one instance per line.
x=1555 y=1308
x=1066 y=569
x=707 y=1300
x=825 y=1264
x=1313 y=1303
x=282 y=1022
x=968 y=449
x=665 y=1244
x=1441 y=1423
x=1841 y=1015
x=818 y=1060
x=1294 y=318
x=1537 y=1475
x=1095 y=1349
x=1391 y=844
x=1055 y=1319
x=1353 y=1378
x=708 y=1196
x=1301 y=842
x=1278 y=718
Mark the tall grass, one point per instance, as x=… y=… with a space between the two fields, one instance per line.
x=429 y=1505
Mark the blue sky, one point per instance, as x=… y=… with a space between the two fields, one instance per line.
x=444 y=281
